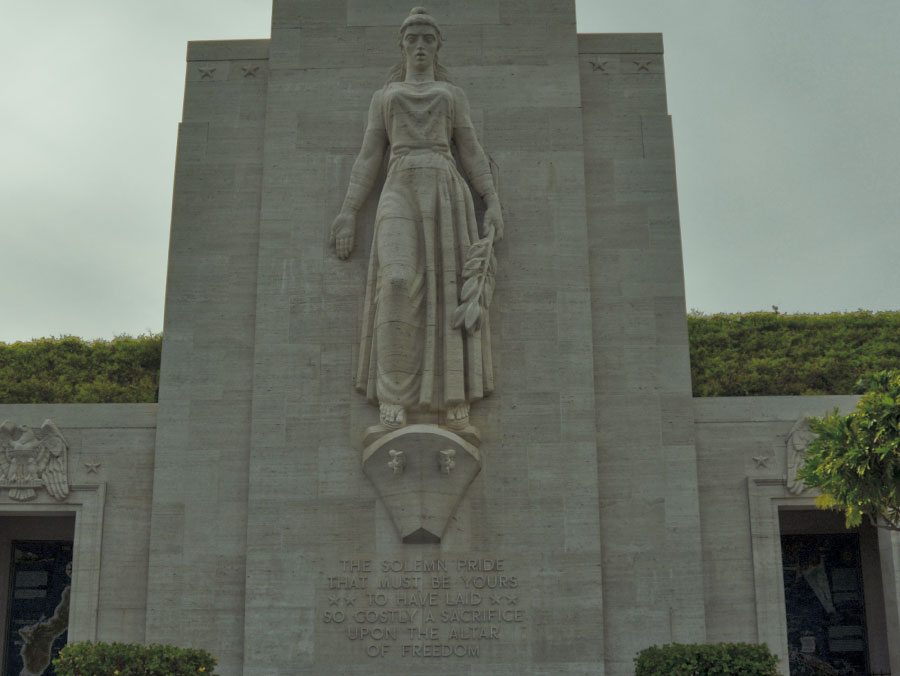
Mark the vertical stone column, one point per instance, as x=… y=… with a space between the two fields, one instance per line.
x=649 y=508
x=534 y=505
x=889 y=553
x=197 y=547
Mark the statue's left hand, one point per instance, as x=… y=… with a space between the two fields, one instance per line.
x=493 y=218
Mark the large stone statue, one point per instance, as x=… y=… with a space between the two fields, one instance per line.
x=425 y=336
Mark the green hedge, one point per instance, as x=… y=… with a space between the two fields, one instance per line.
x=765 y=353
x=760 y=353
x=130 y=659
x=714 y=659
x=71 y=370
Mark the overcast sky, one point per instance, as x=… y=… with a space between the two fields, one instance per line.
x=787 y=139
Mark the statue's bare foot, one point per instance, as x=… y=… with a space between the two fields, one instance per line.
x=458 y=416
x=392 y=415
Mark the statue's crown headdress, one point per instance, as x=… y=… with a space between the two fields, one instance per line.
x=419 y=16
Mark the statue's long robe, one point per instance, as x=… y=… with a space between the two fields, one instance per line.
x=410 y=354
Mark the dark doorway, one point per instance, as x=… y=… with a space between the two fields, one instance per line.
x=833 y=596
x=36 y=566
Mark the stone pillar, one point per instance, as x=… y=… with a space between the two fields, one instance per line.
x=268 y=539
x=317 y=536
x=647 y=460
x=199 y=513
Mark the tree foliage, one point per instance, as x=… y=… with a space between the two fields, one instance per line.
x=765 y=353
x=692 y=659
x=131 y=659
x=71 y=370
x=855 y=461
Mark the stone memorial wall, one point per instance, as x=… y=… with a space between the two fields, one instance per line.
x=275 y=140
x=425 y=401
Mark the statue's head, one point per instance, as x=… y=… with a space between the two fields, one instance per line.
x=419 y=16
x=418 y=22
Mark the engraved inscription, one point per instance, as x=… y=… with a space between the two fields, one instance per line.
x=422 y=608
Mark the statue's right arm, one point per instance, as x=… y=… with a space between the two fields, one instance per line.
x=362 y=178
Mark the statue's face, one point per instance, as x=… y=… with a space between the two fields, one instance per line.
x=420 y=44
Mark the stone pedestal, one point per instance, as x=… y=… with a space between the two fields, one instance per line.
x=421 y=473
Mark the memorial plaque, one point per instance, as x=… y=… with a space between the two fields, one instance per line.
x=424 y=608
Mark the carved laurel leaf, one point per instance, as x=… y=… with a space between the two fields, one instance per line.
x=478 y=289
x=488 y=294
x=470 y=288
x=459 y=315
x=472 y=266
x=479 y=249
x=473 y=317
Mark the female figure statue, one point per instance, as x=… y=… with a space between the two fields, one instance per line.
x=412 y=357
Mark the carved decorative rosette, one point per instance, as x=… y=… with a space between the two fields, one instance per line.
x=33 y=458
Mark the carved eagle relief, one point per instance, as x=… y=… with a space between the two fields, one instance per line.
x=32 y=458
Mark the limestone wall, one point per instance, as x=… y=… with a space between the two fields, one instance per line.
x=110 y=458
x=743 y=471
x=588 y=441
x=534 y=506
x=613 y=511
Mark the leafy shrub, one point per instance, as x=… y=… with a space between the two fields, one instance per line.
x=855 y=461
x=714 y=659
x=765 y=353
x=759 y=353
x=130 y=659
x=71 y=370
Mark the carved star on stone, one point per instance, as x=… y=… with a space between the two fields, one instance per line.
x=598 y=65
x=643 y=65
x=250 y=71
x=761 y=461
x=333 y=600
x=495 y=600
x=512 y=600
x=206 y=72
x=92 y=467
x=349 y=601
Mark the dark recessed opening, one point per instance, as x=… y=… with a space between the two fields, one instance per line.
x=833 y=595
x=421 y=537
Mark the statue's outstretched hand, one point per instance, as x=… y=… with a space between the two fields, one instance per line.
x=493 y=218
x=342 y=233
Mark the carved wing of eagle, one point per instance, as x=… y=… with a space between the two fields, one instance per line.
x=6 y=436
x=799 y=439
x=52 y=461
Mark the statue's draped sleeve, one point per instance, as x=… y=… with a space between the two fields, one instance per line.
x=476 y=164
x=365 y=169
